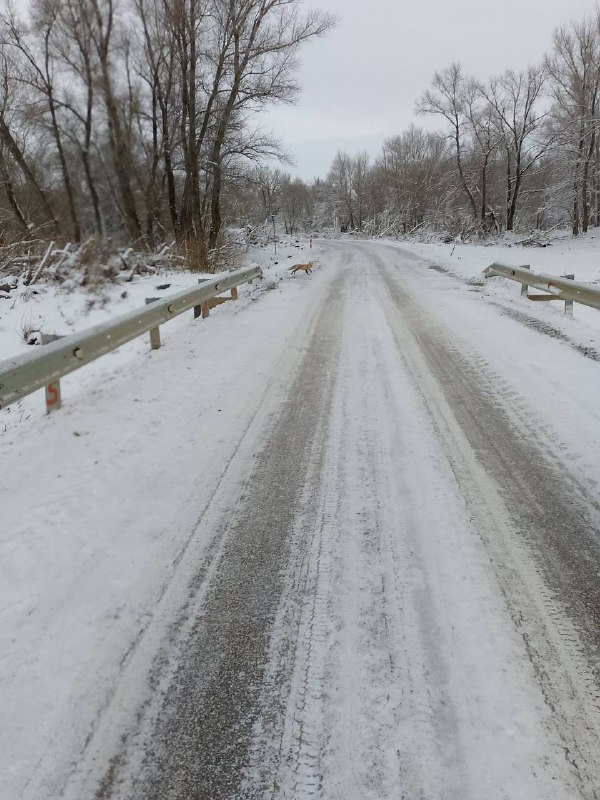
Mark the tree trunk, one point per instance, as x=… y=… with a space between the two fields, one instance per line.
x=586 y=173
x=512 y=212
x=585 y=207
x=484 y=172
x=12 y=199
x=215 y=202
x=19 y=158
x=85 y=150
x=76 y=232
x=166 y=143
x=508 y=189
x=596 y=173
x=152 y=193
x=85 y=158
x=580 y=161
x=121 y=153
x=597 y=177
x=122 y=160
x=461 y=173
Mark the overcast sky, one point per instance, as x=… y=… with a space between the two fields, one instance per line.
x=361 y=82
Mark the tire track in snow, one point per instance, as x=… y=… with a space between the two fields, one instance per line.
x=384 y=699
x=288 y=736
x=193 y=739
x=405 y=743
x=550 y=584
x=362 y=719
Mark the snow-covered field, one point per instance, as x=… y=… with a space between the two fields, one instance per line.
x=429 y=651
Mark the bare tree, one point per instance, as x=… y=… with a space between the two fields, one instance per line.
x=341 y=182
x=159 y=71
x=574 y=69
x=11 y=145
x=101 y=15
x=485 y=139
x=296 y=204
x=264 y=37
x=519 y=114
x=446 y=99
x=34 y=48
x=411 y=167
x=73 y=47
x=269 y=182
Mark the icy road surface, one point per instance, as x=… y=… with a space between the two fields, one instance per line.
x=358 y=559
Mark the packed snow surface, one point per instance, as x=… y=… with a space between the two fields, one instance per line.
x=417 y=647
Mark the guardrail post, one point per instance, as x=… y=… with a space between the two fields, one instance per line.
x=524 y=286
x=198 y=309
x=154 y=332
x=569 y=303
x=234 y=293
x=52 y=390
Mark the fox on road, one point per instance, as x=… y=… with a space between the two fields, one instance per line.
x=297 y=267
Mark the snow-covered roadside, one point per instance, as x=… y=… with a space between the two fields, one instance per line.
x=566 y=255
x=552 y=382
x=51 y=309
x=98 y=503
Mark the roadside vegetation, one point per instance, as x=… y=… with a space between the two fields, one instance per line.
x=126 y=126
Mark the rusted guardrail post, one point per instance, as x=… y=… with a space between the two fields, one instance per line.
x=52 y=390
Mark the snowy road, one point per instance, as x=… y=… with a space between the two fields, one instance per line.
x=391 y=588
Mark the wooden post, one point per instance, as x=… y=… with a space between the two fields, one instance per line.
x=234 y=293
x=154 y=332
x=205 y=309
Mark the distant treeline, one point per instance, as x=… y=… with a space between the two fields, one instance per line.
x=521 y=150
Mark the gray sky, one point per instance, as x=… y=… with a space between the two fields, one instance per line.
x=361 y=82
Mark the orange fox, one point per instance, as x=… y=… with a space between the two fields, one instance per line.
x=306 y=267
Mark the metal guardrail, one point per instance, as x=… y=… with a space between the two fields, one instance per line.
x=24 y=374
x=556 y=287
